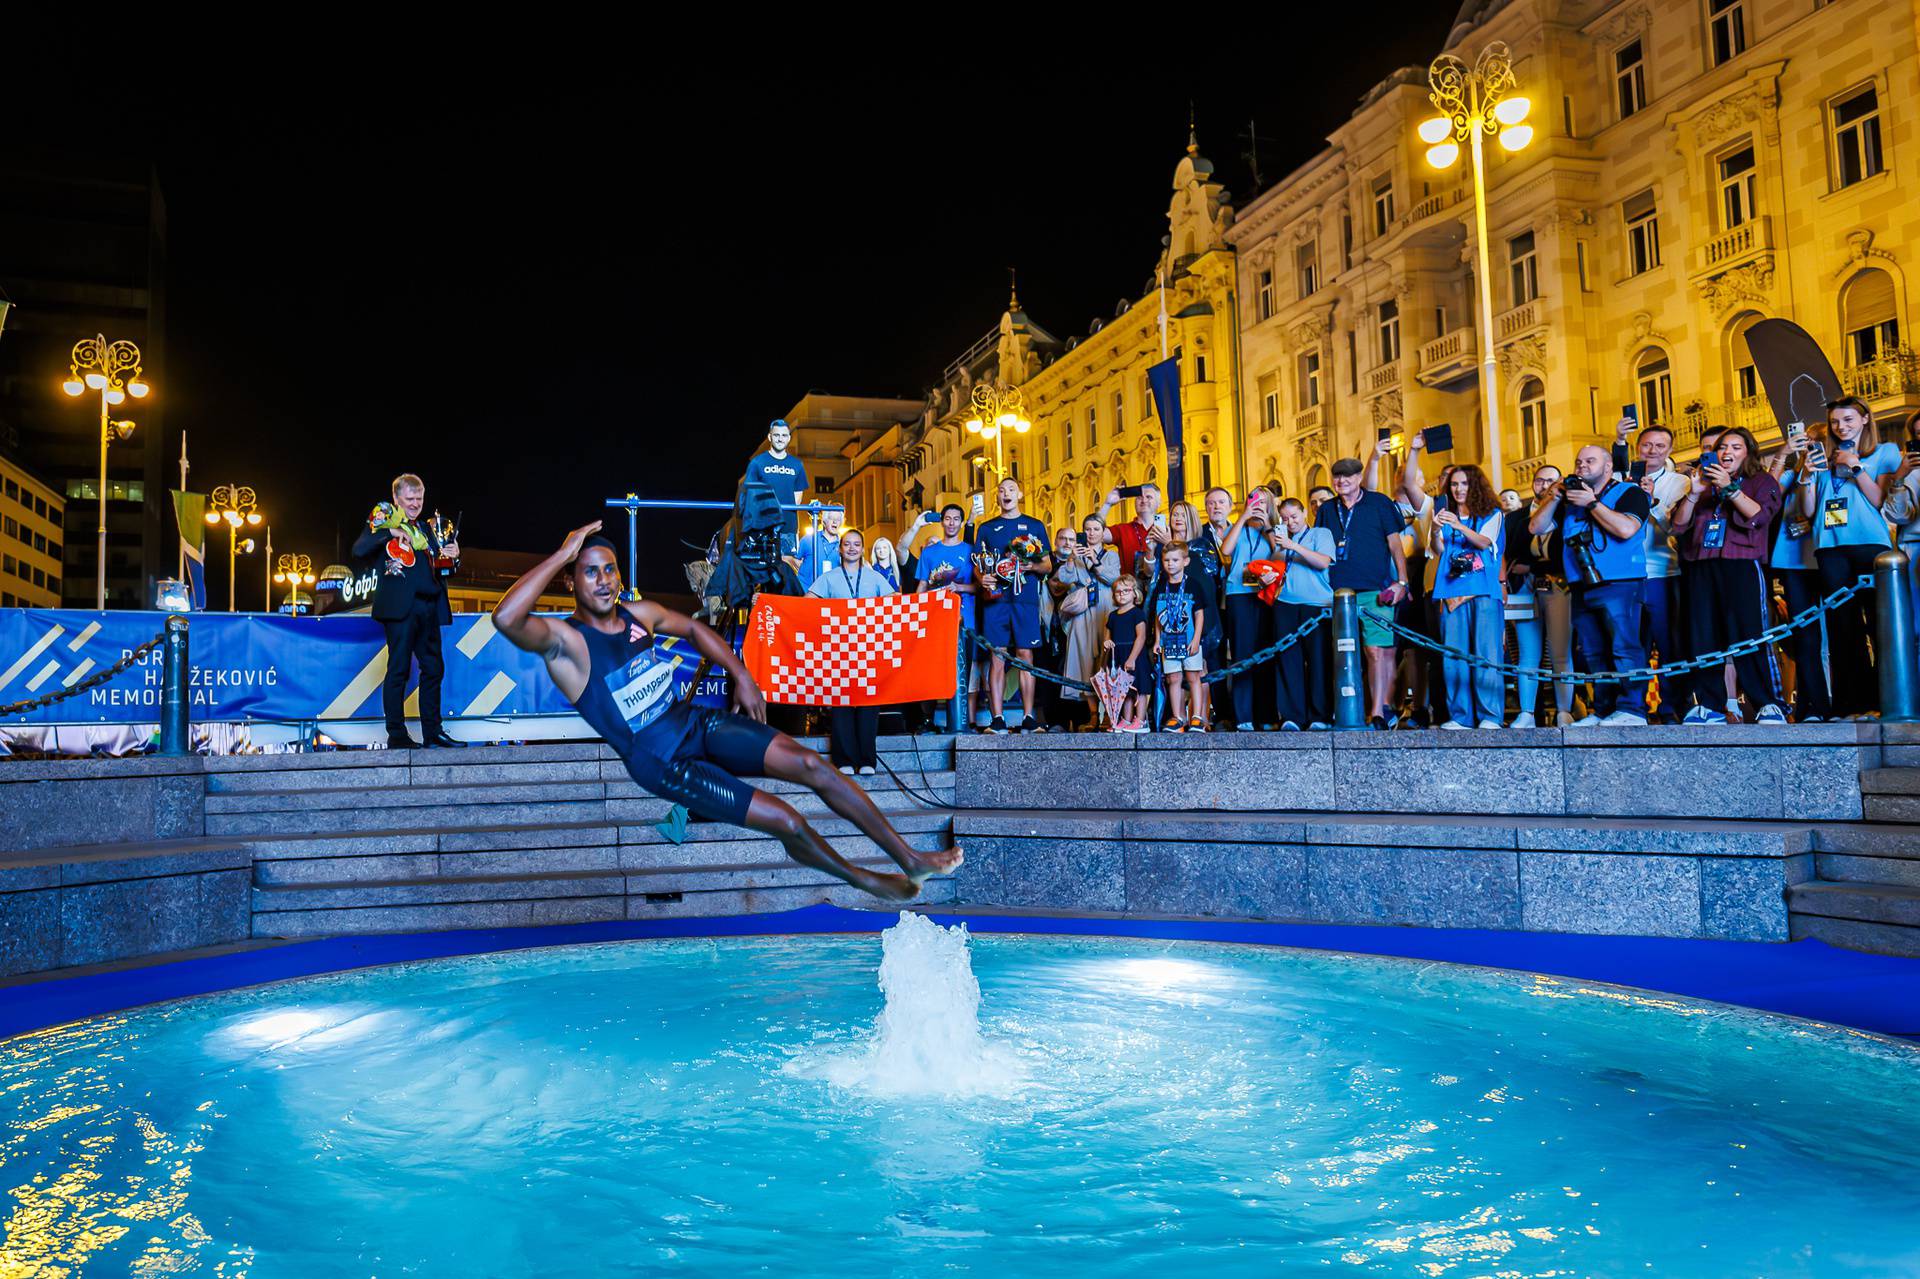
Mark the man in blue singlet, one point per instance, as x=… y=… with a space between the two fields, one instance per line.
x=602 y=659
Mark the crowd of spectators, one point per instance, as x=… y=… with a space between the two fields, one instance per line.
x=1632 y=558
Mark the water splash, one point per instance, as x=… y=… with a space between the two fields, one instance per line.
x=927 y=1040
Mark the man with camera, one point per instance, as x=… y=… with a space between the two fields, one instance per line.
x=1662 y=619
x=410 y=599
x=1600 y=517
x=1130 y=539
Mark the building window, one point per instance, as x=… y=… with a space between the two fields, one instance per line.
x=1146 y=397
x=40 y=543
x=1523 y=269
x=1066 y=453
x=1346 y=241
x=1046 y=452
x=53 y=549
x=1630 y=77
x=1729 y=35
x=13 y=528
x=1309 y=389
x=1389 y=331
x=1382 y=204
x=1736 y=187
x=7 y=562
x=1093 y=425
x=1199 y=368
x=1119 y=412
x=1654 y=385
x=1566 y=113
x=1868 y=317
x=1580 y=266
x=1353 y=363
x=1746 y=379
x=1856 y=137
x=1533 y=418
x=1269 y=401
x=1306 y=268
x=1264 y=297
x=40 y=507
x=1643 y=233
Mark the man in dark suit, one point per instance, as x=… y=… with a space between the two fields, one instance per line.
x=412 y=601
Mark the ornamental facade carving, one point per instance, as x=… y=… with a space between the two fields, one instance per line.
x=1735 y=113
x=1750 y=283
x=1623 y=27
x=1386 y=409
x=1529 y=352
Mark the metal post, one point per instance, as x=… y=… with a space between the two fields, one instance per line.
x=957 y=709
x=100 y=583
x=1483 y=273
x=174 y=738
x=1349 y=673
x=633 y=548
x=1893 y=638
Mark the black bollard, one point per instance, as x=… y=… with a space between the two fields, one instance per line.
x=957 y=710
x=174 y=737
x=1893 y=639
x=1349 y=673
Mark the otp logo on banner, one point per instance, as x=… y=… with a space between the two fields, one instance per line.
x=867 y=652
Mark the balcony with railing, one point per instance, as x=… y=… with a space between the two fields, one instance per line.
x=1892 y=378
x=1448 y=358
x=1439 y=202
x=1730 y=248
x=1309 y=419
x=1511 y=324
x=1752 y=412
x=1382 y=377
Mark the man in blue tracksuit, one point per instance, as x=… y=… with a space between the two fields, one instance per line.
x=1599 y=516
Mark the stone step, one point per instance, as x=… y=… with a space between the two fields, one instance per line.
x=1891 y=808
x=1895 y=904
x=1846 y=868
x=1854 y=934
x=1885 y=839
x=545 y=850
x=725 y=866
x=417 y=794
x=1890 y=781
x=449 y=769
x=1900 y=754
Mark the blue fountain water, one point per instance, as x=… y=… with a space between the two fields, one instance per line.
x=1151 y=1108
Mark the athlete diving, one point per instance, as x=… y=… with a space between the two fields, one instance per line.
x=603 y=659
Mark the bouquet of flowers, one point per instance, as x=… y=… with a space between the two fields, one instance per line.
x=943 y=576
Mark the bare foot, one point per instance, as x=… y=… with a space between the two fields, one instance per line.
x=944 y=862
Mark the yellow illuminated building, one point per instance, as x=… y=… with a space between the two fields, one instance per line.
x=1697 y=165
x=30 y=535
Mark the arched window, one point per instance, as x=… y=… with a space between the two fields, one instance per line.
x=1653 y=386
x=1533 y=418
x=1743 y=379
x=1317 y=477
x=1868 y=317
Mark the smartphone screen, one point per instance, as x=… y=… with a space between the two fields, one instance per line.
x=1630 y=411
x=1636 y=471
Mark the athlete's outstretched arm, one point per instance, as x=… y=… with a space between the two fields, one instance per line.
x=513 y=615
x=746 y=694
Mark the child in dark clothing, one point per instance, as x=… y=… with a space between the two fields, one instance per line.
x=1127 y=641
x=1180 y=605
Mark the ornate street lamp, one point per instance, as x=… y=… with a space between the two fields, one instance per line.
x=1475 y=101
x=294 y=571
x=995 y=411
x=112 y=369
x=236 y=506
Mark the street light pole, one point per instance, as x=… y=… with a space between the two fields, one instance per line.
x=113 y=369
x=995 y=411
x=235 y=505
x=1475 y=101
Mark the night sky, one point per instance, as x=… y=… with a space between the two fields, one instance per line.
x=539 y=296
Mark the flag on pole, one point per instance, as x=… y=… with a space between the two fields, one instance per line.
x=1164 y=378
x=190 y=512
x=866 y=652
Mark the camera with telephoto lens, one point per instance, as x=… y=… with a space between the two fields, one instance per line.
x=1580 y=542
x=1464 y=563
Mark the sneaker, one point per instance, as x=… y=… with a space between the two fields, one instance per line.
x=1625 y=719
x=1269 y=728
x=847 y=769
x=1319 y=726
x=1586 y=721
x=1030 y=725
x=1378 y=724
x=1172 y=725
x=1454 y=724
x=866 y=770
x=1138 y=726
x=1562 y=719
x=1243 y=728
x=1489 y=723
x=1523 y=720
x=1811 y=719
x=1196 y=725
x=1701 y=715
x=998 y=727
x=1289 y=727
x=1770 y=714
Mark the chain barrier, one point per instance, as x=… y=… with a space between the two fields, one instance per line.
x=78 y=687
x=1806 y=617
x=1245 y=664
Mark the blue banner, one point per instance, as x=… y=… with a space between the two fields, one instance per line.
x=255 y=666
x=1164 y=379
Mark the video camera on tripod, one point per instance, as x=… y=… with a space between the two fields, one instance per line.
x=749 y=557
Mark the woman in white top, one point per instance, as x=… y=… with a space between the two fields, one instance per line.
x=853 y=733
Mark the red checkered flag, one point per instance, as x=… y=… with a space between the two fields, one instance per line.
x=803 y=651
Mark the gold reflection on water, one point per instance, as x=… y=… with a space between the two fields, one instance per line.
x=60 y=1217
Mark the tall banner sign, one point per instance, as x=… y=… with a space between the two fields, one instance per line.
x=256 y=666
x=190 y=513
x=1164 y=379
x=871 y=652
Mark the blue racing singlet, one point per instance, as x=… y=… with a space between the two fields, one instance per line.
x=628 y=698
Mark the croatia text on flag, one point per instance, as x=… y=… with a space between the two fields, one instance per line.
x=803 y=651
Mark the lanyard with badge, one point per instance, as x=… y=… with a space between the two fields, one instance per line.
x=1344 y=514
x=1834 y=512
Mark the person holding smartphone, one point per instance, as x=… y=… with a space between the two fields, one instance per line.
x=1842 y=498
x=1087 y=573
x=1791 y=559
x=1722 y=525
x=1467 y=532
x=1250 y=622
x=1130 y=538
